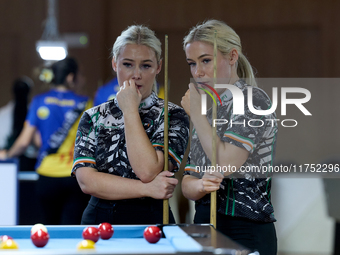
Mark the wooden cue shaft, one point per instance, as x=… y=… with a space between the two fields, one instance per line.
x=213 y=202
x=166 y=127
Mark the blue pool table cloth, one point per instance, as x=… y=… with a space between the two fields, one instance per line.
x=127 y=239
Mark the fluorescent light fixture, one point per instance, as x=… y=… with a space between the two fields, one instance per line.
x=52 y=50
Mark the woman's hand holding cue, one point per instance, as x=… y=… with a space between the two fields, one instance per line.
x=162 y=187
x=211 y=181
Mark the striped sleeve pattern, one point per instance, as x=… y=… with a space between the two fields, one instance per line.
x=178 y=134
x=85 y=144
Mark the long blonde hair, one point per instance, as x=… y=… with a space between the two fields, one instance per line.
x=140 y=35
x=226 y=40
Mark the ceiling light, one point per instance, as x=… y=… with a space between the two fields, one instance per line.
x=51 y=46
x=52 y=50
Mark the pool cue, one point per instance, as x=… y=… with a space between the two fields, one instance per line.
x=166 y=127
x=213 y=202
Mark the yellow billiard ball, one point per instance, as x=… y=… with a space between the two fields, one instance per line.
x=9 y=244
x=86 y=244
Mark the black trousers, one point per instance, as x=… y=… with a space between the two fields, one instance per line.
x=257 y=236
x=61 y=200
x=127 y=211
x=336 y=245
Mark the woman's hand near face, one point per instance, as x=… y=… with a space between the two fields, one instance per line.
x=144 y=159
x=191 y=101
x=186 y=102
x=129 y=97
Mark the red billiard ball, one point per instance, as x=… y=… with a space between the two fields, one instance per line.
x=152 y=234
x=40 y=238
x=106 y=230
x=91 y=233
x=5 y=238
x=37 y=227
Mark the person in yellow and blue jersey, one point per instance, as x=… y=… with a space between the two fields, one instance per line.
x=106 y=92
x=52 y=121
